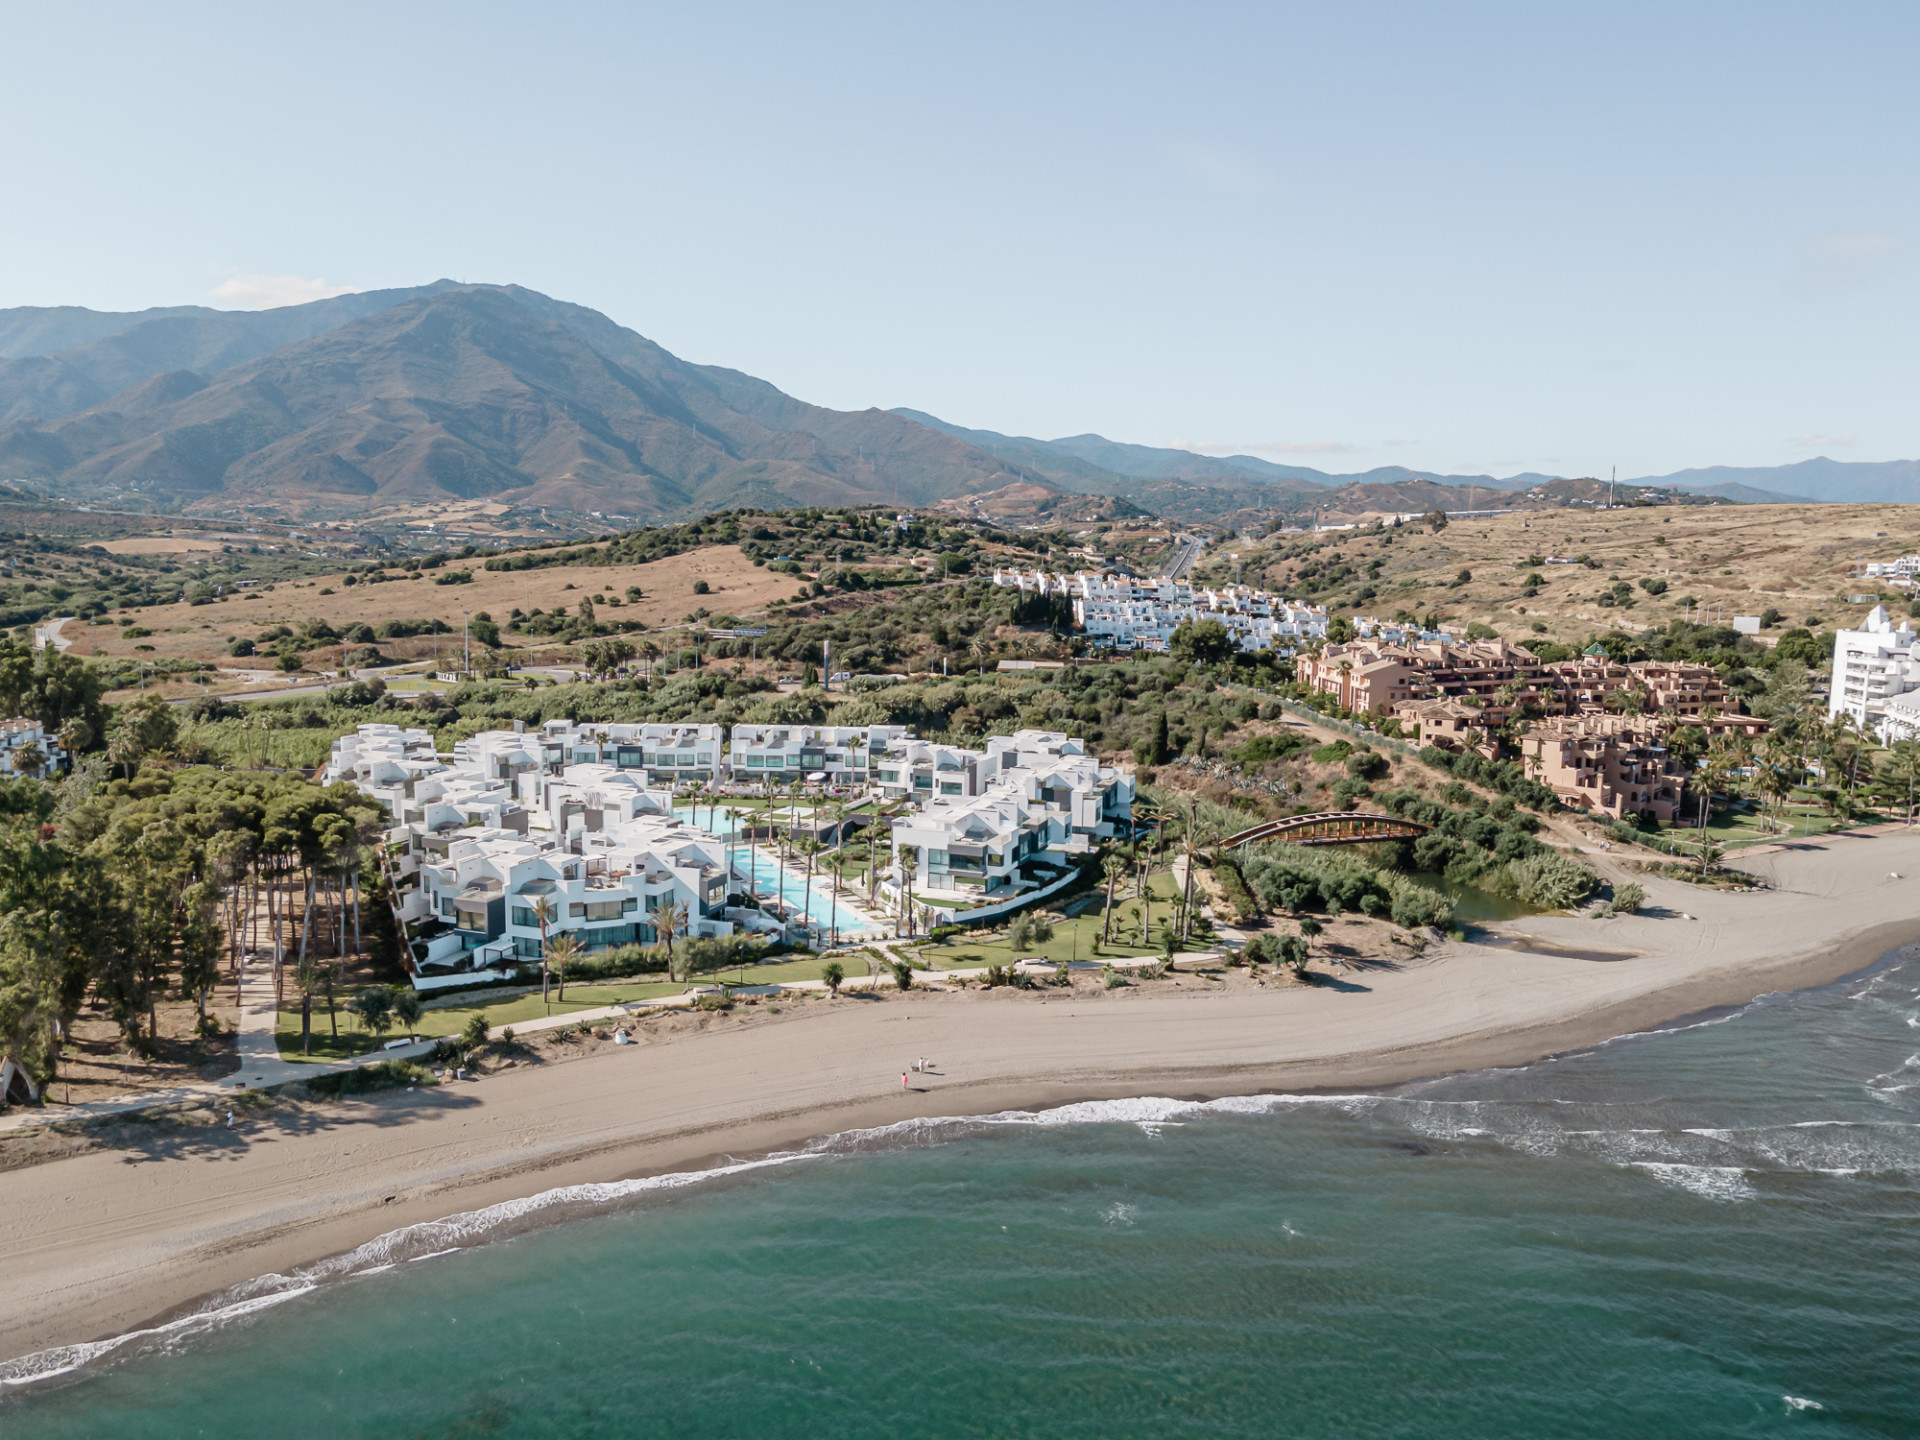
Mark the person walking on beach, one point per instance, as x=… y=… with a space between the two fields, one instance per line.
x=903 y=1080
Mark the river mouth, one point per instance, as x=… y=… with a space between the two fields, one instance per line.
x=1533 y=945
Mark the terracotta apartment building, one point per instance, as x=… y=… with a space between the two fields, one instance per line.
x=1613 y=765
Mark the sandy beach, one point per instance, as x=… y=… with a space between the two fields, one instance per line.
x=109 y=1240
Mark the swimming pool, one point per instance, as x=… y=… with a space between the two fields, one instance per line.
x=764 y=871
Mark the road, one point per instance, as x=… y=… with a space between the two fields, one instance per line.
x=49 y=634
x=1183 y=561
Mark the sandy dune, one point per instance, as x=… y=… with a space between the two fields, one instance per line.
x=100 y=1242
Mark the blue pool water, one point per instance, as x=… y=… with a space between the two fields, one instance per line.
x=765 y=871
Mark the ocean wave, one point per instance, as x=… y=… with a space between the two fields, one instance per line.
x=1711 y=1182
x=64 y=1359
x=424 y=1241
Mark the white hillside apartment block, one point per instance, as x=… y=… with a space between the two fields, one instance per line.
x=1129 y=613
x=1871 y=666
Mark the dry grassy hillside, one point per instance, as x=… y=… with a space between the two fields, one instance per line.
x=1802 y=560
x=202 y=632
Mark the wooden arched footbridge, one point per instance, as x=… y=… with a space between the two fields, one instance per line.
x=1329 y=827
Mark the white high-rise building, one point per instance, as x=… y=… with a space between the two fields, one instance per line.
x=1871 y=666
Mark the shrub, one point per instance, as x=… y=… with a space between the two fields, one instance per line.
x=903 y=974
x=1627 y=898
x=1234 y=884
x=1550 y=880
x=1415 y=906
x=1293 y=953
x=1367 y=765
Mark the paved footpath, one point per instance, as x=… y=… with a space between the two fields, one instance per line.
x=261 y=1066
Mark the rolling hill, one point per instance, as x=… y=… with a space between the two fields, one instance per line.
x=463 y=393
x=393 y=400
x=1838 y=481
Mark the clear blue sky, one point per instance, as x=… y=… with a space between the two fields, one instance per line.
x=1452 y=236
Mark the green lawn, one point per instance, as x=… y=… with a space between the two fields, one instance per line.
x=1072 y=940
x=515 y=1009
x=1733 y=829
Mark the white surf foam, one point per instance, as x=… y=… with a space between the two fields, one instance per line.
x=1711 y=1182
x=63 y=1359
x=426 y=1241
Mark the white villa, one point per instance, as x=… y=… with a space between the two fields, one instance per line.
x=1901 y=571
x=1872 y=666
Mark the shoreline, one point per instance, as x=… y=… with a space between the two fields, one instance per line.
x=111 y=1241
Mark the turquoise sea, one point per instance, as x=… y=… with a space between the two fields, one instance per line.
x=1713 y=1230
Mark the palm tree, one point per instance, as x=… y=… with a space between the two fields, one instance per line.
x=1113 y=867
x=124 y=750
x=780 y=854
x=908 y=858
x=810 y=848
x=1904 y=764
x=544 y=914
x=674 y=918
x=1193 y=839
x=563 y=948
x=833 y=972
x=30 y=759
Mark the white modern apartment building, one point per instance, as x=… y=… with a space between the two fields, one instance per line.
x=1871 y=666
x=669 y=754
x=481 y=838
x=1131 y=613
x=837 y=754
x=1043 y=803
x=478 y=904
x=512 y=819
x=921 y=770
x=22 y=738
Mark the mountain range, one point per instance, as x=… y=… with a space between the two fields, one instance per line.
x=393 y=399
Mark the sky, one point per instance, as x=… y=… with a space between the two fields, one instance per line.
x=1463 y=238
